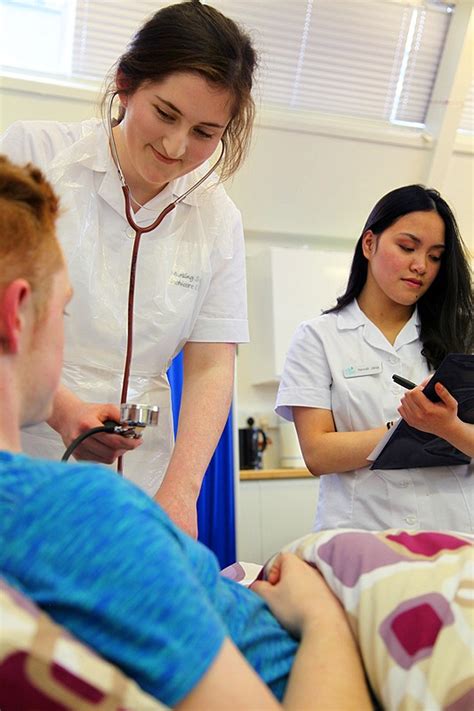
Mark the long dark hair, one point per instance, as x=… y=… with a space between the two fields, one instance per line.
x=445 y=310
x=190 y=37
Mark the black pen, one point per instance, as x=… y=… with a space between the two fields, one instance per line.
x=403 y=382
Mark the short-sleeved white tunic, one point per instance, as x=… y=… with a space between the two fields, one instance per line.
x=343 y=363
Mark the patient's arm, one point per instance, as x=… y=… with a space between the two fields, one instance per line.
x=327 y=672
x=230 y=683
x=438 y=418
x=305 y=606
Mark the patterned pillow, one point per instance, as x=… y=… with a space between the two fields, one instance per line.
x=409 y=597
x=43 y=668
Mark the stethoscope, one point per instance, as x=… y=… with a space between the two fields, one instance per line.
x=139 y=231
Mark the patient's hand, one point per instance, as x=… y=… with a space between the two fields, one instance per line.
x=438 y=418
x=297 y=595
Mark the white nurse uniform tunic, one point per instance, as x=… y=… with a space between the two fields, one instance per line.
x=343 y=363
x=190 y=283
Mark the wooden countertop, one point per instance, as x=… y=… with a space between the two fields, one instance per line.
x=253 y=474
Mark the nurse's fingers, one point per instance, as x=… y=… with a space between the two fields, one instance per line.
x=450 y=402
x=105 y=448
x=116 y=441
x=413 y=401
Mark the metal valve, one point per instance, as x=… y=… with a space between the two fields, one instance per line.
x=132 y=418
x=139 y=415
x=136 y=417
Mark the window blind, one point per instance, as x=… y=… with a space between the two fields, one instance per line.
x=102 y=31
x=375 y=59
x=368 y=59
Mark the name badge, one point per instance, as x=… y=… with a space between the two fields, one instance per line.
x=356 y=371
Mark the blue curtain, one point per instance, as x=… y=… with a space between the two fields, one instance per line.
x=215 y=507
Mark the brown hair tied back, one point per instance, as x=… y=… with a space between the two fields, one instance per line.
x=191 y=37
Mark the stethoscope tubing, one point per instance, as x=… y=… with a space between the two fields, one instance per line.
x=139 y=231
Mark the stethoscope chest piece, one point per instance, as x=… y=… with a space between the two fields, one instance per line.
x=139 y=415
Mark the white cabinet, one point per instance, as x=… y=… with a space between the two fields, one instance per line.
x=271 y=513
x=285 y=287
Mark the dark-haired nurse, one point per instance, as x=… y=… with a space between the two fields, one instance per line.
x=183 y=89
x=407 y=304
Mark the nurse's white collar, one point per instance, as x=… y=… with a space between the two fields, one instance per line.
x=352 y=316
x=101 y=161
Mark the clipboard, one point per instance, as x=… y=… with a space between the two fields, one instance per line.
x=408 y=447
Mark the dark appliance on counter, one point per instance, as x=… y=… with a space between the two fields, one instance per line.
x=252 y=444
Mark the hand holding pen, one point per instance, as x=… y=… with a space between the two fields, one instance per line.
x=437 y=418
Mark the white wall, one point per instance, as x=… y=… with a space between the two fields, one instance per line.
x=303 y=183
x=309 y=184
x=22 y=99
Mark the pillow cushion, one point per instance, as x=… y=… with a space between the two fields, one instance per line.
x=43 y=667
x=409 y=597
